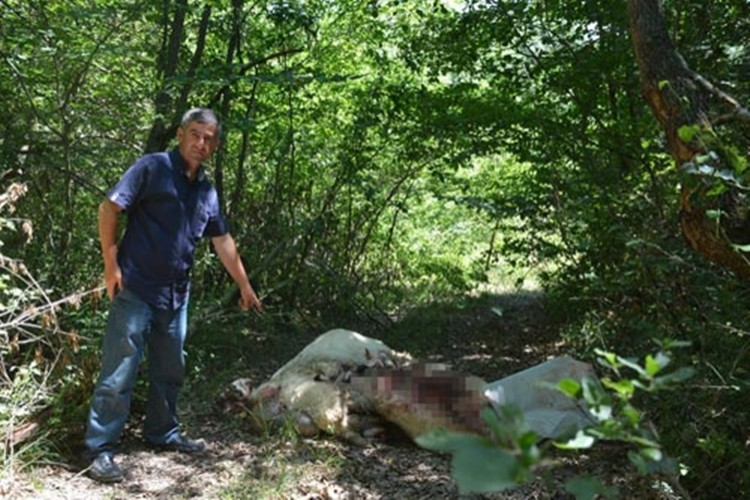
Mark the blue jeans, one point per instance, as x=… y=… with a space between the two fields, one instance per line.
x=132 y=325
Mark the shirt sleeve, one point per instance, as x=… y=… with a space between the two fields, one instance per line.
x=217 y=225
x=130 y=186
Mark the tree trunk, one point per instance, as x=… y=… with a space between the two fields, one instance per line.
x=227 y=96
x=167 y=65
x=679 y=97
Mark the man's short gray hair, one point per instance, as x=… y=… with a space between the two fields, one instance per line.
x=201 y=115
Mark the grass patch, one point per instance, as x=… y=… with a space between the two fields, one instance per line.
x=289 y=469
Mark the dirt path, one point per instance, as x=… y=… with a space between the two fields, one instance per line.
x=491 y=337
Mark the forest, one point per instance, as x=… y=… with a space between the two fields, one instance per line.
x=390 y=166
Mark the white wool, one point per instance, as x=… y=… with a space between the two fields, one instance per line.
x=337 y=347
x=309 y=384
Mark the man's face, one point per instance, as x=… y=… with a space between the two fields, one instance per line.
x=197 y=141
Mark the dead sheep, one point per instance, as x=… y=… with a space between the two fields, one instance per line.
x=313 y=389
x=352 y=386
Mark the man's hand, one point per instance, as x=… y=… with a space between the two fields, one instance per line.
x=226 y=249
x=113 y=280
x=249 y=300
x=108 y=214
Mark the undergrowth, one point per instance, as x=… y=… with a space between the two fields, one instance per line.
x=655 y=296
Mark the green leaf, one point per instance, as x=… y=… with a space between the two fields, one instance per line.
x=587 y=488
x=601 y=412
x=672 y=344
x=705 y=158
x=676 y=376
x=593 y=392
x=640 y=385
x=442 y=440
x=726 y=175
x=655 y=364
x=638 y=461
x=652 y=367
x=484 y=468
x=623 y=387
x=688 y=168
x=579 y=442
x=642 y=441
x=665 y=465
x=569 y=387
x=632 y=414
x=633 y=243
x=608 y=359
x=632 y=365
x=653 y=454
x=687 y=132
x=528 y=440
x=478 y=464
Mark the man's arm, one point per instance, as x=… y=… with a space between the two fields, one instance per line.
x=230 y=258
x=108 y=216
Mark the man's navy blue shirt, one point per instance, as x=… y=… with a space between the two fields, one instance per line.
x=167 y=216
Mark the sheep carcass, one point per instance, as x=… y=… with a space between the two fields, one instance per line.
x=423 y=397
x=349 y=385
x=313 y=390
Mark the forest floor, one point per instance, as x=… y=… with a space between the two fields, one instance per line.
x=490 y=336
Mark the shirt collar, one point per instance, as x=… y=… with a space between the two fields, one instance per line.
x=179 y=164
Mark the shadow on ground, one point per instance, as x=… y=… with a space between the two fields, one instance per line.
x=491 y=336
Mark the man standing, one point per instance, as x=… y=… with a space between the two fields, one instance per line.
x=170 y=206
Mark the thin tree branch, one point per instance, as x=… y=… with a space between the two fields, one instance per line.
x=739 y=112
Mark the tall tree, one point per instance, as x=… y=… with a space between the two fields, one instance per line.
x=168 y=109
x=690 y=110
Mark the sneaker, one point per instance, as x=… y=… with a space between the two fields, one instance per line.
x=105 y=470
x=181 y=444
